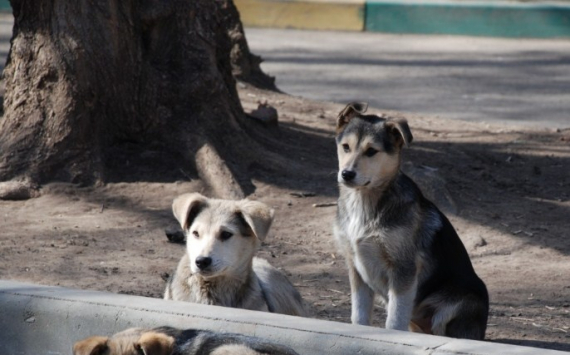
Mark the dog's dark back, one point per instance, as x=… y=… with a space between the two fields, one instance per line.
x=452 y=275
x=203 y=342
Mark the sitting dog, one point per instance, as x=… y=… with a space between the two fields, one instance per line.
x=397 y=244
x=219 y=267
x=171 y=341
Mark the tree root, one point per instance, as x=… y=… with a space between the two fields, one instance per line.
x=214 y=172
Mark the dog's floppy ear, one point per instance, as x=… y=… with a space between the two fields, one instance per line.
x=91 y=346
x=348 y=113
x=152 y=343
x=186 y=207
x=400 y=131
x=258 y=216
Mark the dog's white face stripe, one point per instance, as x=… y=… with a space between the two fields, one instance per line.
x=371 y=171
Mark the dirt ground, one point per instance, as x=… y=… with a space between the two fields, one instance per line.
x=506 y=191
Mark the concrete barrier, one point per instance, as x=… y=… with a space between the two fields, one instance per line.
x=38 y=320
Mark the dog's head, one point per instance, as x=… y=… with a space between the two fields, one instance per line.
x=222 y=236
x=134 y=341
x=368 y=147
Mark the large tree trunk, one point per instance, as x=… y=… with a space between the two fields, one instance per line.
x=92 y=84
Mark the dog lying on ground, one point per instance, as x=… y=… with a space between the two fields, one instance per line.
x=171 y=341
x=397 y=244
x=219 y=267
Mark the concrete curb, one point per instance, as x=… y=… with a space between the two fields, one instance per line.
x=37 y=320
x=501 y=18
x=342 y=15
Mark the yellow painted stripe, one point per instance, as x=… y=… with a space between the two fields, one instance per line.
x=343 y=15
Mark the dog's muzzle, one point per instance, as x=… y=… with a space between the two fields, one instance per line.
x=203 y=262
x=349 y=178
x=348 y=175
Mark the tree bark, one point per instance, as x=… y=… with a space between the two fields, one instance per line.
x=245 y=65
x=86 y=81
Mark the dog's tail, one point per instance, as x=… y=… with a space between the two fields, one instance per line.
x=280 y=295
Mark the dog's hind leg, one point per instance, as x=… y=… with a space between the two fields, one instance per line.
x=470 y=321
x=466 y=319
x=468 y=328
x=362 y=297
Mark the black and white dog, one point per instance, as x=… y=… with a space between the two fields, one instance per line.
x=398 y=245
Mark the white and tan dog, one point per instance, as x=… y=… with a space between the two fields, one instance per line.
x=219 y=267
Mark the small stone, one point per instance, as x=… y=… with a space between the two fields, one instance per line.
x=481 y=242
x=265 y=114
x=175 y=235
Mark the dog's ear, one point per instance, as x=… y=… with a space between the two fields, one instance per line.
x=258 y=217
x=152 y=343
x=186 y=207
x=400 y=131
x=349 y=112
x=91 y=346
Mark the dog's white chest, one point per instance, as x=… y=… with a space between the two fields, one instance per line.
x=369 y=262
x=356 y=229
x=357 y=223
x=368 y=250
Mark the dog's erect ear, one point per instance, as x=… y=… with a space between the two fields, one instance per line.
x=348 y=113
x=258 y=216
x=186 y=207
x=152 y=343
x=91 y=346
x=400 y=131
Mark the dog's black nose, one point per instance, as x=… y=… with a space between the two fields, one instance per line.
x=203 y=262
x=348 y=175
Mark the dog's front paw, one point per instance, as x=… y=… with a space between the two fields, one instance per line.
x=397 y=324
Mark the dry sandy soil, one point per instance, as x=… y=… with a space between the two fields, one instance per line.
x=506 y=191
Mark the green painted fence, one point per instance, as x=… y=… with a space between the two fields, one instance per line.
x=492 y=18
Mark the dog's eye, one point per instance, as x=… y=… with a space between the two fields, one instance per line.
x=225 y=235
x=346 y=148
x=195 y=234
x=370 y=152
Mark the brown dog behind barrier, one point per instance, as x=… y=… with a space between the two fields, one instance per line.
x=171 y=341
